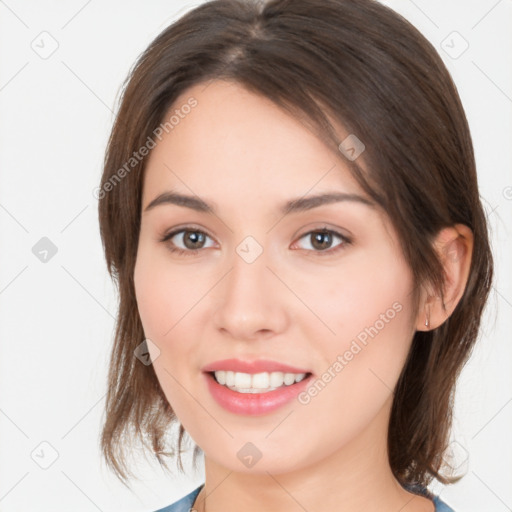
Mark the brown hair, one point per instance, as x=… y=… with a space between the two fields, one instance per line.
x=374 y=73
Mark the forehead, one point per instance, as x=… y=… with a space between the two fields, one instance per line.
x=235 y=143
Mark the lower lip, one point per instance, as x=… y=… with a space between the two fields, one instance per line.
x=254 y=404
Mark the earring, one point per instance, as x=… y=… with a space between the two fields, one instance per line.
x=427 y=319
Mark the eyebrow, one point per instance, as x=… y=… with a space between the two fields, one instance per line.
x=295 y=205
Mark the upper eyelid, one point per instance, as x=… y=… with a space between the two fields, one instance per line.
x=173 y=232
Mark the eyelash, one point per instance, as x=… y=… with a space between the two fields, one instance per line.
x=176 y=250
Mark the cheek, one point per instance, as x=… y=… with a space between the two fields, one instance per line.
x=367 y=308
x=164 y=300
x=356 y=294
x=163 y=294
x=171 y=303
x=362 y=361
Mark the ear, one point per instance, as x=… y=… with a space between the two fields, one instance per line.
x=454 y=245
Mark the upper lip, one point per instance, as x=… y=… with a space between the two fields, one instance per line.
x=257 y=366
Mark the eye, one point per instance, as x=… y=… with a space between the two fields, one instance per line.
x=192 y=240
x=189 y=241
x=322 y=239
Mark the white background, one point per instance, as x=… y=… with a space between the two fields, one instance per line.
x=57 y=318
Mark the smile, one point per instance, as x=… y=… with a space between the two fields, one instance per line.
x=255 y=394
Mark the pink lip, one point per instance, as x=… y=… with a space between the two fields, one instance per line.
x=261 y=365
x=253 y=404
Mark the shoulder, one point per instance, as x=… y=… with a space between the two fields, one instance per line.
x=441 y=506
x=184 y=504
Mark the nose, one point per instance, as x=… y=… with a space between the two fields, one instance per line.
x=251 y=301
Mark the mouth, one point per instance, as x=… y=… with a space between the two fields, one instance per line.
x=255 y=394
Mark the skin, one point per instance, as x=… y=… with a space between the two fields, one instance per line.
x=296 y=303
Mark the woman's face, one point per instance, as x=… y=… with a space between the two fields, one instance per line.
x=266 y=284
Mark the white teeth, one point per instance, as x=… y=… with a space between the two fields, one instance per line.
x=221 y=377
x=242 y=380
x=289 y=378
x=276 y=379
x=230 y=378
x=258 y=382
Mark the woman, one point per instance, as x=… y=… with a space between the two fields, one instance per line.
x=290 y=208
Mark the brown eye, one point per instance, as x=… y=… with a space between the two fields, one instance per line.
x=186 y=240
x=193 y=239
x=322 y=240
